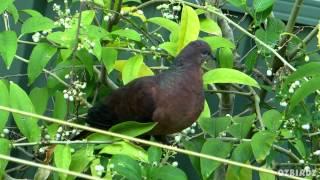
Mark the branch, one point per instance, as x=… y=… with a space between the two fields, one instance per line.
x=129 y=138
x=257 y=107
x=60 y=170
x=306 y=40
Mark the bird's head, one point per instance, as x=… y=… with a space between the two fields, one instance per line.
x=195 y=53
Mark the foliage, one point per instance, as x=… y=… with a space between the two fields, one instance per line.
x=65 y=74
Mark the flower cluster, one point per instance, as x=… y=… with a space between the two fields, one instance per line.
x=74 y=91
x=185 y=133
x=99 y=169
x=86 y=44
x=169 y=12
x=65 y=134
x=65 y=17
x=36 y=37
x=293 y=86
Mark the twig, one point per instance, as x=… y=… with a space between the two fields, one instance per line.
x=257 y=107
x=15 y=145
x=142 y=141
x=306 y=40
x=230 y=92
x=30 y=163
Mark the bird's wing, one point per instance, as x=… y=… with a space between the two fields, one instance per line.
x=136 y=101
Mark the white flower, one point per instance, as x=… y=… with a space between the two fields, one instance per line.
x=99 y=167
x=41 y=150
x=71 y=98
x=306 y=58
x=176 y=8
x=283 y=103
x=291 y=90
x=194 y=124
x=60 y=129
x=301 y=161
x=66 y=96
x=306 y=126
x=47 y=136
x=269 y=72
x=67 y=76
x=297 y=83
x=139 y=12
x=36 y=37
x=177 y=138
x=6 y=131
x=175 y=164
x=68 y=11
x=316 y=153
x=192 y=131
x=153 y=48
x=111 y=166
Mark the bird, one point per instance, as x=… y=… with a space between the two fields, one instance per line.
x=173 y=99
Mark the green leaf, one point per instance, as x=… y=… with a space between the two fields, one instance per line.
x=225 y=57
x=238 y=3
x=305 y=90
x=8 y=46
x=126 y=167
x=299 y=146
x=241 y=126
x=225 y=75
x=39 y=98
x=272 y=119
x=14 y=12
x=251 y=59
x=170 y=47
x=189 y=28
x=266 y=176
x=154 y=154
x=165 y=23
x=31 y=12
x=81 y=159
x=28 y=126
x=215 y=148
x=40 y=56
x=132 y=68
x=62 y=158
x=60 y=106
x=216 y=42
x=129 y=128
x=4 y=5
x=261 y=144
x=109 y=57
x=306 y=70
x=4 y=150
x=195 y=145
x=4 y=101
x=242 y=153
x=211 y=27
x=86 y=17
x=126 y=148
x=87 y=60
x=269 y=37
x=214 y=126
x=64 y=39
x=261 y=5
x=36 y=23
x=127 y=33
x=167 y=172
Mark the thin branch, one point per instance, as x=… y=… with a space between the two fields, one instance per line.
x=142 y=141
x=230 y=92
x=306 y=40
x=60 y=170
x=15 y=145
x=257 y=107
